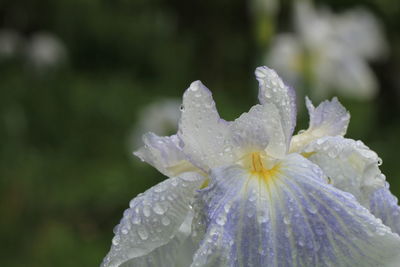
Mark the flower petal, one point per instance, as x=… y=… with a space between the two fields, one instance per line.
x=350 y=165
x=165 y=154
x=178 y=252
x=293 y=219
x=202 y=131
x=259 y=129
x=285 y=57
x=153 y=218
x=330 y=118
x=273 y=90
x=361 y=31
x=385 y=206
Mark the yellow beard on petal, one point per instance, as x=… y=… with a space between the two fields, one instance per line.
x=262 y=168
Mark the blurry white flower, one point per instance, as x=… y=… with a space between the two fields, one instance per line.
x=329 y=51
x=10 y=42
x=45 y=51
x=248 y=193
x=160 y=117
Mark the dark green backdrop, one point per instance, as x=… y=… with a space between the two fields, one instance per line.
x=66 y=172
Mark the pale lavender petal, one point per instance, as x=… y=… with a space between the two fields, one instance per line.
x=329 y=118
x=165 y=154
x=350 y=165
x=384 y=205
x=153 y=219
x=178 y=252
x=293 y=219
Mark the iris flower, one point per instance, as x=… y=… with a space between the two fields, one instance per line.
x=248 y=193
x=330 y=52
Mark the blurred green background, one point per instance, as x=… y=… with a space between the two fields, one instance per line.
x=66 y=168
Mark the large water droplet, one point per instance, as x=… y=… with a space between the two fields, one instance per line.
x=116 y=240
x=159 y=209
x=312 y=209
x=165 y=220
x=142 y=232
x=146 y=211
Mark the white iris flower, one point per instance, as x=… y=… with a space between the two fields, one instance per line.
x=330 y=51
x=247 y=193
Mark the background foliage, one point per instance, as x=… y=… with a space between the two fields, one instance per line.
x=66 y=169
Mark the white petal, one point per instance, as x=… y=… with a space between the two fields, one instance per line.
x=294 y=219
x=350 y=165
x=273 y=90
x=353 y=77
x=204 y=134
x=153 y=218
x=259 y=129
x=330 y=118
x=178 y=252
x=385 y=206
x=361 y=31
x=285 y=56
x=165 y=154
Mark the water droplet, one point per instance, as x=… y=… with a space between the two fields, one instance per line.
x=146 y=211
x=312 y=209
x=165 y=220
x=142 y=232
x=159 y=209
x=286 y=220
x=136 y=219
x=116 y=240
x=227 y=207
x=221 y=220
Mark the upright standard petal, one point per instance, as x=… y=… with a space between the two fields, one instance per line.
x=205 y=136
x=350 y=165
x=290 y=218
x=153 y=218
x=330 y=118
x=273 y=90
x=259 y=129
x=164 y=153
x=384 y=205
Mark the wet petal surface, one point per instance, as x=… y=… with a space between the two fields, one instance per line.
x=204 y=135
x=293 y=219
x=272 y=90
x=384 y=205
x=350 y=165
x=153 y=218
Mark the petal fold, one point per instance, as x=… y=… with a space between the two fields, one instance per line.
x=178 y=252
x=384 y=205
x=329 y=118
x=350 y=165
x=293 y=219
x=259 y=129
x=153 y=219
x=164 y=153
x=273 y=90
x=204 y=135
